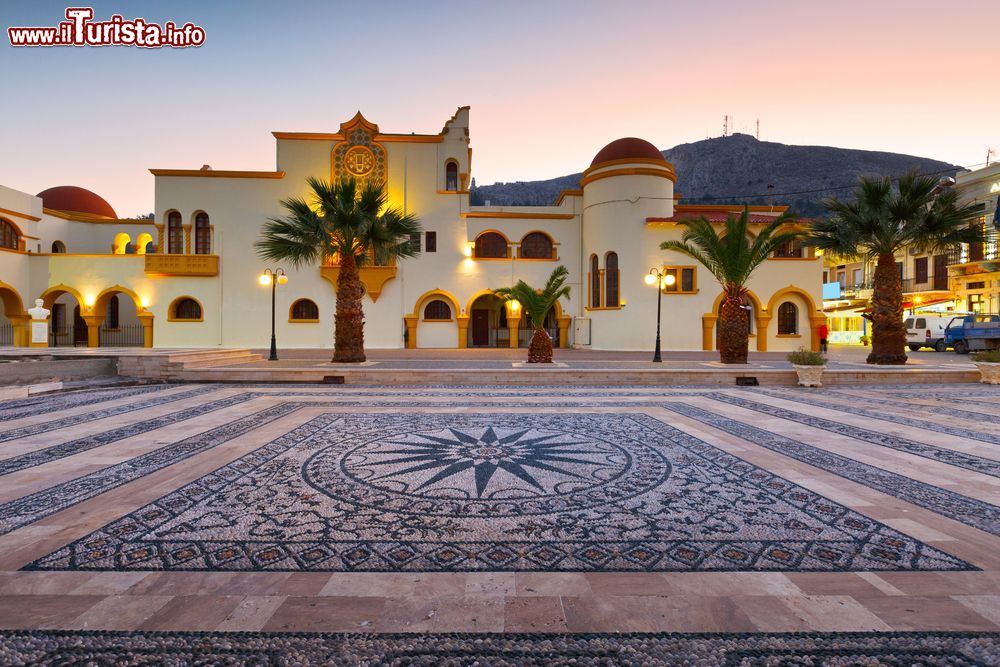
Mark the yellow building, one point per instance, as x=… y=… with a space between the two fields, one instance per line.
x=189 y=278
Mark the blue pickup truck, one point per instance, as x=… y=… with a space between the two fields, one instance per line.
x=973 y=333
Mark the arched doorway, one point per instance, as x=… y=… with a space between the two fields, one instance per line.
x=13 y=318
x=488 y=326
x=121 y=319
x=551 y=326
x=67 y=326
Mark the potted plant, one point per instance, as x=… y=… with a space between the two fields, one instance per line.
x=988 y=364
x=809 y=366
x=865 y=340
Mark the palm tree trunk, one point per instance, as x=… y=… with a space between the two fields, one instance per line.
x=540 y=349
x=888 y=333
x=349 y=334
x=734 y=330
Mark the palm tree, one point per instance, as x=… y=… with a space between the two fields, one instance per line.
x=349 y=221
x=882 y=221
x=732 y=256
x=536 y=304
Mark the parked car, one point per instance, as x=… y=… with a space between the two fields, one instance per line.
x=972 y=333
x=927 y=331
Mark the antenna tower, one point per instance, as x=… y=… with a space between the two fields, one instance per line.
x=758 y=129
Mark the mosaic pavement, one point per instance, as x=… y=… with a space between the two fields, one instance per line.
x=552 y=509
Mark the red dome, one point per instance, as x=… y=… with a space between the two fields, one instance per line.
x=627 y=147
x=69 y=198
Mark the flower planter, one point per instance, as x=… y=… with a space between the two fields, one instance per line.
x=809 y=376
x=989 y=372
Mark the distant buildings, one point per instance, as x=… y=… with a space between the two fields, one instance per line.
x=966 y=280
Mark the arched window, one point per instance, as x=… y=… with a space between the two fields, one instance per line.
x=202 y=234
x=536 y=245
x=437 y=310
x=792 y=248
x=9 y=236
x=451 y=176
x=491 y=245
x=611 y=296
x=304 y=310
x=185 y=309
x=175 y=234
x=120 y=244
x=58 y=248
x=112 y=314
x=595 y=282
x=788 y=319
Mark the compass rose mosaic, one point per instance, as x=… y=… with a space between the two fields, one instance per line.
x=546 y=491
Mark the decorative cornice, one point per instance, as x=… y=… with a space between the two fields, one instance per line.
x=664 y=172
x=212 y=173
x=7 y=211
x=518 y=216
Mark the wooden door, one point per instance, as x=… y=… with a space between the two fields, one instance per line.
x=480 y=327
x=940 y=272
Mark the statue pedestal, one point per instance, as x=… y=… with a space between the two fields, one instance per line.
x=38 y=330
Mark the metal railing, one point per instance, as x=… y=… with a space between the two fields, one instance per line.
x=6 y=334
x=128 y=335
x=524 y=335
x=987 y=250
x=931 y=283
x=62 y=337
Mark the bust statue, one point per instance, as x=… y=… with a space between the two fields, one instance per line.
x=39 y=312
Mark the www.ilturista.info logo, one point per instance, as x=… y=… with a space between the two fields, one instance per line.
x=80 y=30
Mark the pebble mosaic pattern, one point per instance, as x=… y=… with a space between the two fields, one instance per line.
x=509 y=650
x=570 y=491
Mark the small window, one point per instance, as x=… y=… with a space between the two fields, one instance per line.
x=684 y=280
x=430 y=241
x=305 y=310
x=202 y=234
x=908 y=323
x=175 y=234
x=611 y=283
x=9 y=236
x=437 y=310
x=491 y=245
x=451 y=176
x=415 y=241
x=595 y=282
x=186 y=309
x=58 y=248
x=788 y=319
x=536 y=245
x=921 y=323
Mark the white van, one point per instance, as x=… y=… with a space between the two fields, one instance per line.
x=926 y=331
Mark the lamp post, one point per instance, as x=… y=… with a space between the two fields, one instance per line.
x=661 y=279
x=273 y=278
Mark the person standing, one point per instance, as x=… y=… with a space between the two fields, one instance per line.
x=822 y=332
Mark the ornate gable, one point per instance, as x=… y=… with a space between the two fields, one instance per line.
x=359 y=155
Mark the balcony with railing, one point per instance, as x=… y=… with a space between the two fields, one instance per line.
x=181 y=265
x=937 y=283
x=988 y=250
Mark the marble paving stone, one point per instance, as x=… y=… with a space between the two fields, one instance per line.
x=940 y=508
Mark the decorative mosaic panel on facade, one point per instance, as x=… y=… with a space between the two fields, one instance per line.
x=360 y=156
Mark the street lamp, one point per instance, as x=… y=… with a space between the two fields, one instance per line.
x=273 y=278
x=661 y=279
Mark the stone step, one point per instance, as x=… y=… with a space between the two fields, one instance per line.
x=582 y=377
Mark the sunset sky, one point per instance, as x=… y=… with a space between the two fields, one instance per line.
x=549 y=83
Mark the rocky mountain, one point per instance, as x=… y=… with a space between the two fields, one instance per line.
x=739 y=169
